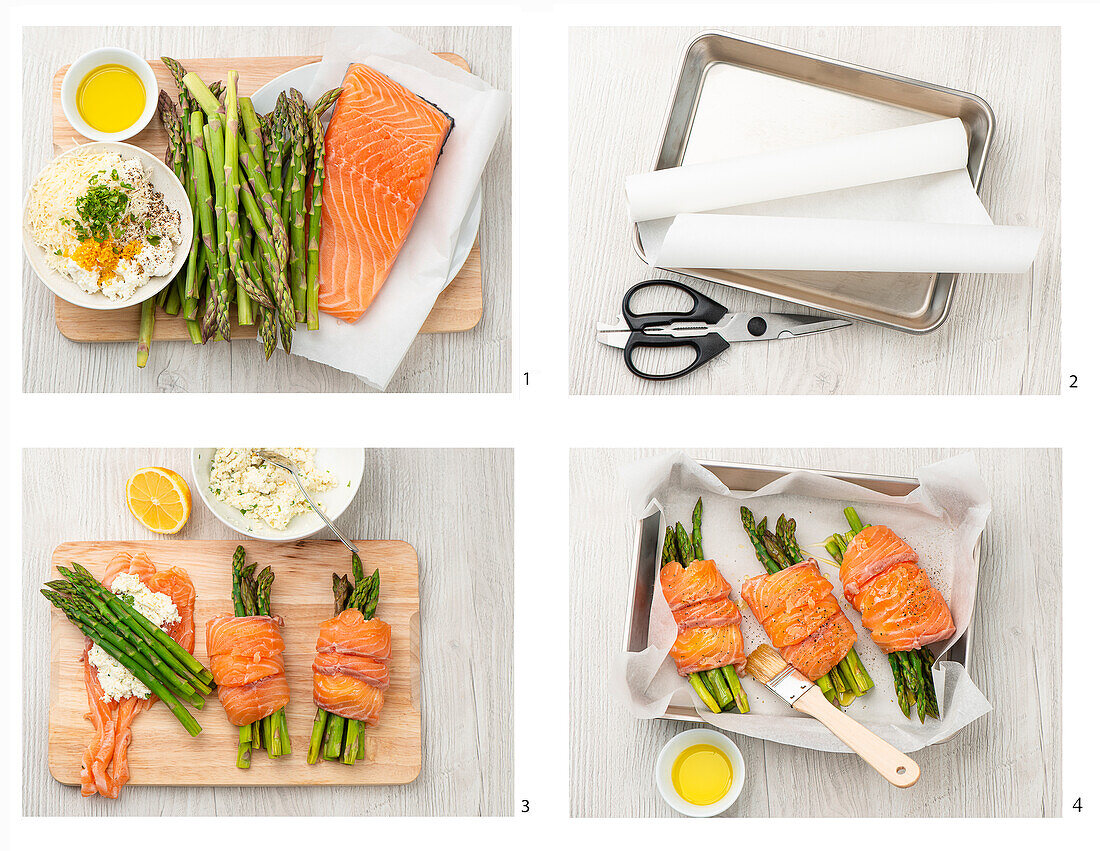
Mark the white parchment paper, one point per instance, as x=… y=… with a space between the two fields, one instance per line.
x=815 y=154
x=375 y=345
x=942 y=520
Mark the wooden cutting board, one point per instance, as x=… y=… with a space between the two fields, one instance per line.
x=458 y=308
x=163 y=754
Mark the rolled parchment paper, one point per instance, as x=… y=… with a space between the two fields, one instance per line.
x=884 y=155
x=718 y=241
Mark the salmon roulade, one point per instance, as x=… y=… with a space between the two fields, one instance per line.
x=900 y=608
x=246 y=659
x=349 y=670
x=708 y=621
x=802 y=617
x=709 y=649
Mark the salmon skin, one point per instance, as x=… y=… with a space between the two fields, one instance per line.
x=381 y=150
x=350 y=671
x=105 y=766
x=246 y=659
x=708 y=622
x=802 y=617
x=900 y=608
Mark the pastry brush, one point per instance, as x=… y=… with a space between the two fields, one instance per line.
x=772 y=670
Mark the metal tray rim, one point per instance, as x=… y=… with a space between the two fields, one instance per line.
x=710 y=466
x=976 y=167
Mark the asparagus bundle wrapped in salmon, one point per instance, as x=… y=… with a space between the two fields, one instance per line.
x=246 y=658
x=350 y=672
x=900 y=608
x=709 y=648
x=797 y=608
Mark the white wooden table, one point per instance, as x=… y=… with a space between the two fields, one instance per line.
x=1003 y=333
x=464 y=547
x=475 y=361
x=1006 y=764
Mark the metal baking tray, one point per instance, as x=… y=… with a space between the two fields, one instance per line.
x=741 y=478
x=769 y=92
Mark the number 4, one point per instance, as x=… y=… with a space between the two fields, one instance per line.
x=1077 y=805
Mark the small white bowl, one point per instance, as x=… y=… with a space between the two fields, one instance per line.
x=164 y=181
x=677 y=745
x=108 y=56
x=345 y=464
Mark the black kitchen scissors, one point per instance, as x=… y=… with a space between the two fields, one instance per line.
x=708 y=328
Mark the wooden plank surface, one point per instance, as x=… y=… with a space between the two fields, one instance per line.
x=464 y=548
x=1006 y=764
x=1003 y=334
x=475 y=361
x=458 y=308
x=163 y=754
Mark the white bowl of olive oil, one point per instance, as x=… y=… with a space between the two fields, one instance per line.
x=109 y=94
x=700 y=773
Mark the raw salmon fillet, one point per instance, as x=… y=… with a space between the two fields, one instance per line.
x=899 y=606
x=381 y=149
x=707 y=620
x=349 y=670
x=105 y=767
x=246 y=659
x=802 y=617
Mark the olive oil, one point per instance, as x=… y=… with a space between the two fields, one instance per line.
x=702 y=774
x=110 y=98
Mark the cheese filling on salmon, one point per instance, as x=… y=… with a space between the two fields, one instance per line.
x=117 y=682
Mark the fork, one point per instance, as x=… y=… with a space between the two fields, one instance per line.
x=284 y=463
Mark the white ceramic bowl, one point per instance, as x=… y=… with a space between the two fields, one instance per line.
x=108 y=56
x=166 y=182
x=676 y=746
x=345 y=464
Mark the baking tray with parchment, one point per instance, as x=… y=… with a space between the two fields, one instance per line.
x=735 y=96
x=741 y=479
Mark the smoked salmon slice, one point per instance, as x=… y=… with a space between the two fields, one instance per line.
x=381 y=149
x=349 y=670
x=370 y=671
x=899 y=606
x=705 y=648
x=802 y=617
x=872 y=551
x=348 y=697
x=259 y=699
x=708 y=622
x=698 y=582
x=105 y=766
x=348 y=632
x=246 y=659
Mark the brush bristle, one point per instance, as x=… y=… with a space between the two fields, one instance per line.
x=765 y=664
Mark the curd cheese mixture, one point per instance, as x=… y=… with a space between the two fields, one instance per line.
x=102 y=224
x=242 y=479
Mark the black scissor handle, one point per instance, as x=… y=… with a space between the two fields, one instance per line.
x=703 y=309
x=706 y=347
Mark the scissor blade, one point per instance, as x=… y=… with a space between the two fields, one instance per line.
x=743 y=327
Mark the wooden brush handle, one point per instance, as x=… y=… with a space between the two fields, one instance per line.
x=882 y=756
